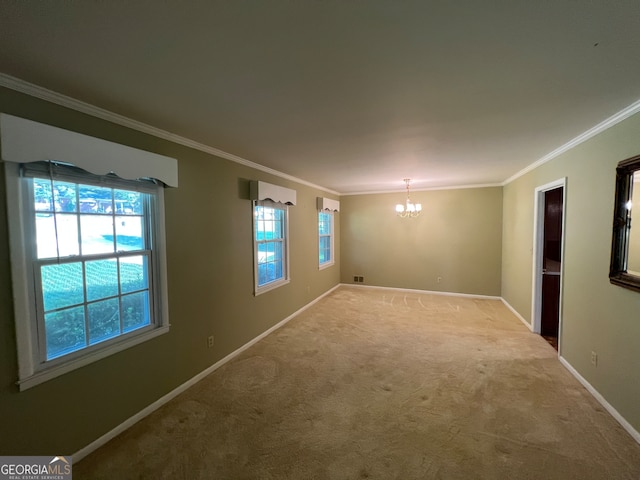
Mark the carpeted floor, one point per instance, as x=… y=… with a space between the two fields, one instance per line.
x=372 y=383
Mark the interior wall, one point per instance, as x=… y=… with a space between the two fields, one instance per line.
x=456 y=239
x=596 y=315
x=210 y=288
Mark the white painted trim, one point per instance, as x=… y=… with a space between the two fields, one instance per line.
x=33 y=90
x=332 y=236
x=425 y=189
x=538 y=231
x=429 y=292
x=45 y=375
x=267 y=287
x=583 y=137
x=608 y=407
x=93 y=446
x=517 y=314
x=27 y=88
x=31 y=371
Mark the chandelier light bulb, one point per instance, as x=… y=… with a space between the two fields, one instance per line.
x=409 y=209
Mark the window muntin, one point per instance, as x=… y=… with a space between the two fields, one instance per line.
x=31 y=213
x=270 y=245
x=325 y=239
x=91 y=264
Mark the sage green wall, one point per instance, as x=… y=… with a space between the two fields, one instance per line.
x=457 y=237
x=210 y=278
x=597 y=316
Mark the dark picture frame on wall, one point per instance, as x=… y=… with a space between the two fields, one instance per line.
x=623 y=245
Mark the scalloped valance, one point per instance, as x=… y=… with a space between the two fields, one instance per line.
x=26 y=141
x=328 y=204
x=275 y=193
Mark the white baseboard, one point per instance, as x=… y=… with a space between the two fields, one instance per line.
x=515 y=312
x=80 y=454
x=430 y=292
x=608 y=407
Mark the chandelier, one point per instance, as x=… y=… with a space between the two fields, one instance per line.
x=409 y=209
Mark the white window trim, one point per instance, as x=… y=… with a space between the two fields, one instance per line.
x=30 y=371
x=20 y=138
x=328 y=205
x=259 y=290
x=322 y=266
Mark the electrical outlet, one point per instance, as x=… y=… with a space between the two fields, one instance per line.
x=439 y=279
x=210 y=341
x=594 y=359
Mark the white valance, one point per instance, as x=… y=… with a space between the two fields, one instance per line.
x=275 y=193
x=328 y=204
x=26 y=141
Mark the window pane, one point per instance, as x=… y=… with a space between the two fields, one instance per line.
x=43 y=199
x=95 y=199
x=277 y=251
x=128 y=203
x=133 y=274
x=270 y=243
x=67 y=228
x=104 y=320
x=278 y=270
x=325 y=249
x=129 y=233
x=97 y=234
x=324 y=223
x=135 y=311
x=65 y=331
x=102 y=279
x=62 y=285
x=65 y=196
x=266 y=273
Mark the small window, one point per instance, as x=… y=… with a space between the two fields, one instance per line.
x=271 y=250
x=92 y=251
x=325 y=239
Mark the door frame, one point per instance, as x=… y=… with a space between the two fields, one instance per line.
x=538 y=249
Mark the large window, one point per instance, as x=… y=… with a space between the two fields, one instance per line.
x=91 y=247
x=270 y=245
x=325 y=239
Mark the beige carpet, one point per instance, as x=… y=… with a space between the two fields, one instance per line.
x=372 y=383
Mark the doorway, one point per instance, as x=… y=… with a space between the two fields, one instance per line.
x=548 y=258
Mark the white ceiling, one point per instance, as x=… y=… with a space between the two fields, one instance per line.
x=351 y=95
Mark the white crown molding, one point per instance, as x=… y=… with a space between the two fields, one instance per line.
x=592 y=132
x=27 y=88
x=427 y=189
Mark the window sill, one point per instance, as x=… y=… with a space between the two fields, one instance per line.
x=269 y=286
x=326 y=265
x=50 y=373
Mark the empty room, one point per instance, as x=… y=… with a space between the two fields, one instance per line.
x=320 y=239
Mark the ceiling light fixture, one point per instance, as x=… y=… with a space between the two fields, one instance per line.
x=409 y=209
